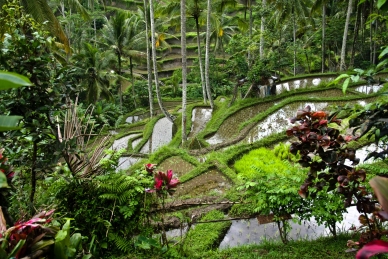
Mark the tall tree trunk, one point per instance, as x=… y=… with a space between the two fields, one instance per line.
x=250 y=32
x=133 y=82
x=156 y=78
x=344 y=39
x=207 y=65
x=262 y=28
x=33 y=175
x=184 y=69
x=200 y=62
x=323 y=35
x=119 y=81
x=294 y=36
x=355 y=36
x=149 y=71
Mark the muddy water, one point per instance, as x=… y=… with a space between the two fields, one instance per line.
x=126 y=162
x=279 y=121
x=161 y=135
x=122 y=142
x=212 y=182
x=200 y=117
x=230 y=126
x=178 y=165
x=301 y=83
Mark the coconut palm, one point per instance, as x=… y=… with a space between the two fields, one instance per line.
x=90 y=65
x=207 y=55
x=184 y=69
x=194 y=10
x=297 y=11
x=149 y=71
x=344 y=39
x=153 y=48
x=122 y=34
x=314 y=8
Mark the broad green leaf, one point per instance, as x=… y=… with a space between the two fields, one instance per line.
x=3 y=181
x=381 y=64
x=87 y=256
x=9 y=122
x=345 y=85
x=61 y=235
x=359 y=71
x=380 y=3
x=385 y=51
x=340 y=77
x=380 y=187
x=3 y=253
x=10 y=80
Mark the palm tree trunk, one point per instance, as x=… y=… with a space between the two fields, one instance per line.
x=133 y=81
x=209 y=94
x=323 y=35
x=355 y=36
x=344 y=40
x=153 y=47
x=119 y=81
x=200 y=62
x=184 y=69
x=294 y=36
x=262 y=27
x=149 y=71
x=250 y=33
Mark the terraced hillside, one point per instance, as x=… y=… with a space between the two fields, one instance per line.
x=206 y=167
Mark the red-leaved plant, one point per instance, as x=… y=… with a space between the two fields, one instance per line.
x=164 y=184
x=324 y=151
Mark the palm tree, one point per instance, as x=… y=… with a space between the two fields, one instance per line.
x=184 y=69
x=297 y=10
x=194 y=10
x=314 y=8
x=153 y=47
x=344 y=39
x=207 y=63
x=121 y=33
x=149 y=71
x=90 y=64
x=262 y=28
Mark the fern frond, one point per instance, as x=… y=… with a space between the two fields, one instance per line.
x=121 y=243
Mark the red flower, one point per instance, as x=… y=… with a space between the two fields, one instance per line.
x=150 y=168
x=165 y=181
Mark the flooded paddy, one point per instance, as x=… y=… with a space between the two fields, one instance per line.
x=279 y=120
x=161 y=135
x=200 y=117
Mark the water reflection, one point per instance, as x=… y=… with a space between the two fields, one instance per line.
x=200 y=117
x=136 y=118
x=368 y=89
x=122 y=142
x=279 y=121
x=126 y=162
x=251 y=232
x=161 y=135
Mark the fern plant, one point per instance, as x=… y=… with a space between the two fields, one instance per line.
x=127 y=194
